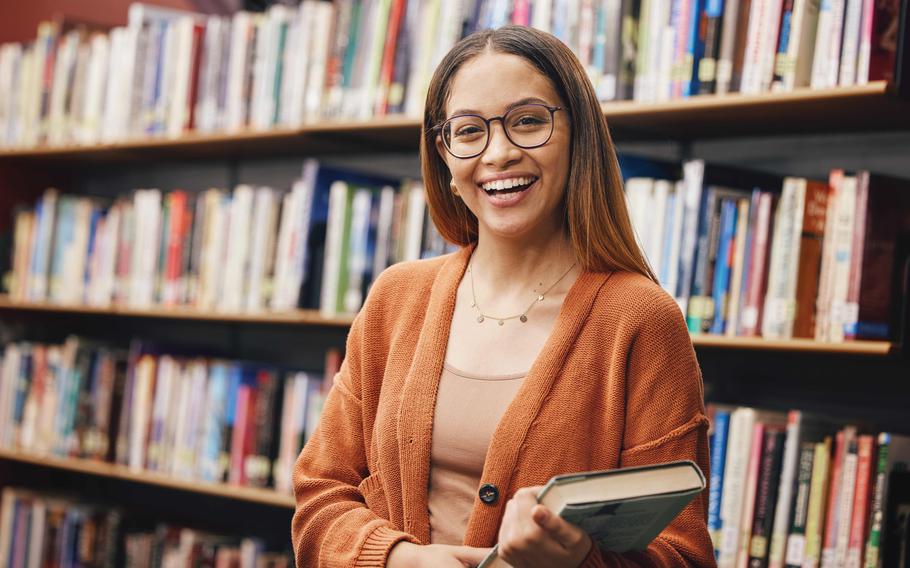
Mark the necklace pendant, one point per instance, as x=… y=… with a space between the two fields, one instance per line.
x=479 y=319
x=540 y=298
x=523 y=318
x=501 y=322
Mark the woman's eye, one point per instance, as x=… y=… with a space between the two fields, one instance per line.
x=467 y=131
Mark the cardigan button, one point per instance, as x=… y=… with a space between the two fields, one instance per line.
x=488 y=493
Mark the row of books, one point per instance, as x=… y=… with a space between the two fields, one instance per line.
x=249 y=250
x=750 y=254
x=168 y=71
x=798 y=490
x=190 y=417
x=45 y=529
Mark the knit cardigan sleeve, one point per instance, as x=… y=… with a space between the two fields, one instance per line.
x=665 y=421
x=334 y=524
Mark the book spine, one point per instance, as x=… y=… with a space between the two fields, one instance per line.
x=861 y=502
x=785 y=493
x=810 y=254
x=766 y=498
x=718 y=458
x=817 y=498
x=858 y=246
x=877 y=517
x=796 y=539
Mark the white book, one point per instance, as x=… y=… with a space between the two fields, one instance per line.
x=36 y=533
x=736 y=278
x=140 y=412
x=750 y=69
x=297 y=62
x=384 y=230
x=179 y=425
x=835 y=42
x=413 y=233
x=422 y=35
x=262 y=251
x=842 y=253
x=263 y=73
x=864 y=49
x=74 y=258
x=214 y=239
x=210 y=72
x=693 y=174
x=640 y=198
x=767 y=49
x=144 y=255
x=236 y=104
x=88 y=129
x=541 y=14
x=61 y=87
x=849 y=54
x=780 y=298
x=238 y=249
x=291 y=251
x=823 y=37
x=323 y=18
x=795 y=66
x=9 y=371
x=665 y=58
x=338 y=194
x=357 y=251
x=657 y=222
x=113 y=90
x=102 y=288
x=161 y=408
x=178 y=114
x=735 y=471
x=676 y=237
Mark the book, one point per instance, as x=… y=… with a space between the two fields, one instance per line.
x=605 y=502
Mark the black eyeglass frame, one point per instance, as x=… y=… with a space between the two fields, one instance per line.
x=489 y=126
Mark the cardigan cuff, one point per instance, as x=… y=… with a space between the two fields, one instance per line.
x=376 y=548
x=594 y=559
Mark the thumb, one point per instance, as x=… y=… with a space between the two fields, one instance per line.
x=471 y=555
x=557 y=527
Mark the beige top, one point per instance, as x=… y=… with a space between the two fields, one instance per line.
x=468 y=408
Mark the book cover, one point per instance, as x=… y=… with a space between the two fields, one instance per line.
x=604 y=502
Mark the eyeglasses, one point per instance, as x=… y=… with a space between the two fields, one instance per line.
x=526 y=126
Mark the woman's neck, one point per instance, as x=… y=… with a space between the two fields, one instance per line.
x=505 y=268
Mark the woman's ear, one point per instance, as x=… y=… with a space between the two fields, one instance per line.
x=443 y=153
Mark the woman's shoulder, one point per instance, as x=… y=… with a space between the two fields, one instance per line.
x=406 y=286
x=636 y=295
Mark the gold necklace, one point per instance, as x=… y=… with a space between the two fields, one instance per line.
x=523 y=316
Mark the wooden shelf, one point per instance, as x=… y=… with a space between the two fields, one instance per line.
x=313 y=318
x=121 y=472
x=845 y=109
x=294 y=317
x=875 y=348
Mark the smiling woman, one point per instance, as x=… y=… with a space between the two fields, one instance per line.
x=542 y=347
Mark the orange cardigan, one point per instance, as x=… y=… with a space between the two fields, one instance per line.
x=617 y=384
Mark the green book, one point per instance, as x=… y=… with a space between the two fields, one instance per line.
x=621 y=509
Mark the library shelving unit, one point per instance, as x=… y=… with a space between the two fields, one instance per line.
x=863 y=380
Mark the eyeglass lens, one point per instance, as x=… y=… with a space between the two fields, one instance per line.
x=526 y=126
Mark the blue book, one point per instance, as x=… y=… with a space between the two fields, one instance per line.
x=716 y=485
x=669 y=232
x=723 y=265
x=695 y=47
x=216 y=402
x=235 y=376
x=632 y=166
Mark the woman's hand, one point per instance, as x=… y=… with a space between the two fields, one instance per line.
x=409 y=555
x=532 y=536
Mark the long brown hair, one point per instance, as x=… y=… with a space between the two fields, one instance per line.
x=596 y=217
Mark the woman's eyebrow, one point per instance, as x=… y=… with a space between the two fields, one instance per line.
x=510 y=106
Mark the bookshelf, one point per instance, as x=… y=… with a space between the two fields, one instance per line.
x=313 y=319
x=861 y=379
x=123 y=473
x=863 y=108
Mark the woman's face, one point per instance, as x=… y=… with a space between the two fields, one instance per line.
x=491 y=85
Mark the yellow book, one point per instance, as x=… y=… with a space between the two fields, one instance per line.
x=818 y=496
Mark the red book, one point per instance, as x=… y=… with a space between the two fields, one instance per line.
x=387 y=71
x=198 y=32
x=176 y=227
x=810 y=258
x=843 y=439
x=758 y=268
x=856 y=257
x=236 y=474
x=861 y=500
x=521 y=13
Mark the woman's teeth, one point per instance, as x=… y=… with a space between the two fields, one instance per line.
x=508 y=185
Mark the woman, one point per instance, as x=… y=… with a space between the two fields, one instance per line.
x=542 y=347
